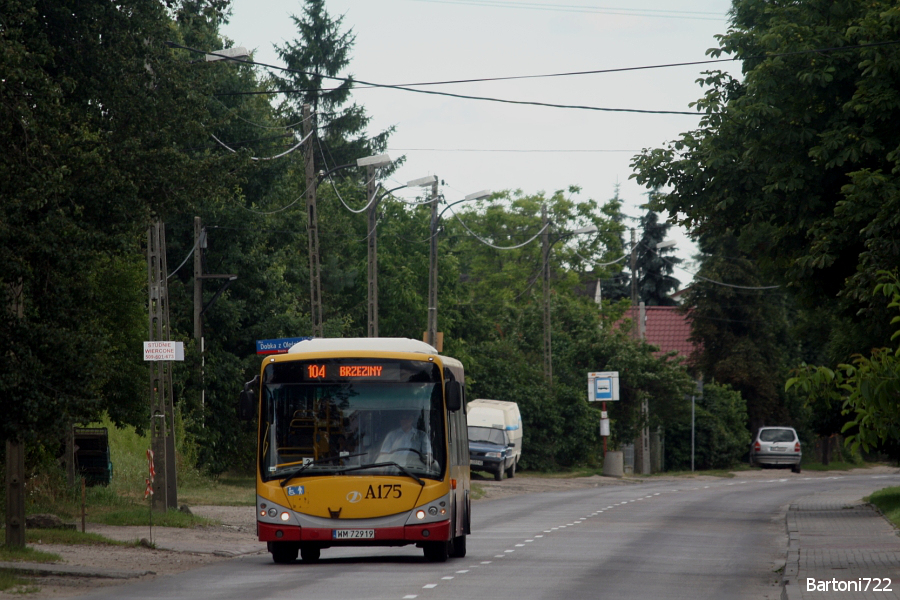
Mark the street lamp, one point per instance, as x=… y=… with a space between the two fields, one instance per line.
x=431 y=334
x=371 y=163
x=237 y=53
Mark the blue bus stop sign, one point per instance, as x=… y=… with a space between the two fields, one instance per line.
x=603 y=386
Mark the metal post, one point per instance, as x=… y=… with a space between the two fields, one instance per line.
x=373 y=251
x=162 y=412
x=312 y=224
x=433 y=268
x=15 y=494
x=698 y=392
x=15 y=455
x=545 y=258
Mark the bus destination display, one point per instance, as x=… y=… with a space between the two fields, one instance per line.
x=332 y=371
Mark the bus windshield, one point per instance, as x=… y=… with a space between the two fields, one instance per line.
x=360 y=417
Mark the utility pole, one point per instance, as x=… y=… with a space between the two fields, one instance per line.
x=373 y=251
x=638 y=312
x=312 y=223
x=645 y=404
x=162 y=412
x=545 y=257
x=433 y=268
x=199 y=310
x=15 y=454
x=199 y=242
x=634 y=290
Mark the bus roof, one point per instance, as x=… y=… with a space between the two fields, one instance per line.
x=362 y=344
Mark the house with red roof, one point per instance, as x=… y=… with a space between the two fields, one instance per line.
x=667 y=327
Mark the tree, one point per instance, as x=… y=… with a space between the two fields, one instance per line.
x=720 y=431
x=618 y=285
x=653 y=268
x=99 y=117
x=800 y=155
x=740 y=328
x=868 y=387
x=316 y=58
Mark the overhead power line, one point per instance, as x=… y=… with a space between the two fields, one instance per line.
x=410 y=87
x=524 y=150
x=580 y=8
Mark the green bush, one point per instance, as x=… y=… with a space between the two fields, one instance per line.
x=720 y=437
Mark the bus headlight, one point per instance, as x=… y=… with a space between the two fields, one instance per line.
x=420 y=514
x=285 y=516
x=273 y=513
x=432 y=510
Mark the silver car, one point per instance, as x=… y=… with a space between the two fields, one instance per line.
x=776 y=447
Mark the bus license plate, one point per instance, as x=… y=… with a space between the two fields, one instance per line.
x=353 y=534
x=476 y=462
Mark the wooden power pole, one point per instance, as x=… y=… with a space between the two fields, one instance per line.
x=162 y=411
x=545 y=257
x=312 y=222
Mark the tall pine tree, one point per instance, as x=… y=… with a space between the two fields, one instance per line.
x=654 y=266
x=316 y=61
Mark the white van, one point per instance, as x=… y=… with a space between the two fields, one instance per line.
x=495 y=437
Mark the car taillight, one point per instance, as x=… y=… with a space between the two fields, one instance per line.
x=757 y=447
x=797 y=447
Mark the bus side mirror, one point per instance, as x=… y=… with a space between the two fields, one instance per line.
x=247 y=402
x=454 y=396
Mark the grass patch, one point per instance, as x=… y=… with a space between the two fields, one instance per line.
x=228 y=490
x=14 y=584
x=11 y=554
x=888 y=502
x=477 y=492
x=140 y=515
x=69 y=537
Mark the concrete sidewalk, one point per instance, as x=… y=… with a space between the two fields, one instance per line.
x=839 y=542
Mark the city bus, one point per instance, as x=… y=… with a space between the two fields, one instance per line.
x=362 y=442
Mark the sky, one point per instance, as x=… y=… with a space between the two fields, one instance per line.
x=473 y=145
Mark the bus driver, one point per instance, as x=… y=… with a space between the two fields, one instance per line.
x=406 y=442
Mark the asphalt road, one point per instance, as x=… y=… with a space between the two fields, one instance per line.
x=722 y=539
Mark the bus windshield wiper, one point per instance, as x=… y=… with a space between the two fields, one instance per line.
x=403 y=470
x=285 y=479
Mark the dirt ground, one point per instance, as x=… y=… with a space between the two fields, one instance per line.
x=182 y=549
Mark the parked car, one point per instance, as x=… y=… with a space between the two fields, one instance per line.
x=776 y=447
x=490 y=450
x=495 y=436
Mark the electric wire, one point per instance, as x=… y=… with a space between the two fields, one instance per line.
x=170 y=275
x=409 y=86
x=514 y=150
x=570 y=8
x=713 y=281
x=256 y=158
x=369 y=202
x=489 y=244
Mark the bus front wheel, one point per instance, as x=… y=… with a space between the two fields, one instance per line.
x=436 y=551
x=283 y=552
x=459 y=547
x=310 y=553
